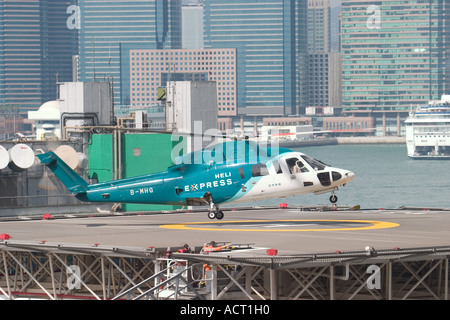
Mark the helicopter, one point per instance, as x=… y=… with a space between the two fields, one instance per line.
x=228 y=172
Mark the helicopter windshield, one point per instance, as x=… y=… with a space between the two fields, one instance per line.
x=314 y=163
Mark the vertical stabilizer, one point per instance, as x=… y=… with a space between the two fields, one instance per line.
x=63 y=172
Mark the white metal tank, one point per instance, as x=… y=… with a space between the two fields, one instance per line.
x=21 y=157
x=83 y=161
x=68 y=155
x=4 y=158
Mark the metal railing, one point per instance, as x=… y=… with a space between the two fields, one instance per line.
x=170 y=286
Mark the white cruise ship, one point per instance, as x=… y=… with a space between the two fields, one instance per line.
x=428 y=130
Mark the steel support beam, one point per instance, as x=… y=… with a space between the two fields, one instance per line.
x=446 y=280
x=273 y=284
x=43 y=272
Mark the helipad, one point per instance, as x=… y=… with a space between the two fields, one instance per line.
x=290 y=231
x=284 y=225
x=267 y=253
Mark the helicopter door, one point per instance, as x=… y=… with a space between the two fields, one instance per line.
x=261 y=181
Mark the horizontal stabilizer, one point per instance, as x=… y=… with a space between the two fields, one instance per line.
x=63 y=172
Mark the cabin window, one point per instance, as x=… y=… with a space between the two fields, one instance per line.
x=324 y=178
x=277 y=167
x=137 y=152
x=259 y=170
x=241 y=172
x=336 y=176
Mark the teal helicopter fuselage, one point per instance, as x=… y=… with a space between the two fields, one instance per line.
x=212 y=177
x=175 y=186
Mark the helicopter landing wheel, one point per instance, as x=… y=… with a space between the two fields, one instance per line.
x=211 y=215
x=215 y=215
x=333 y=198
x=219 y=215
x=214 y=212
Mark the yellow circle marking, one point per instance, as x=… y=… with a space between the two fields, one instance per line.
x=372 y=225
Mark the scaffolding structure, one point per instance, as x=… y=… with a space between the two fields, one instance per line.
x=60 y=271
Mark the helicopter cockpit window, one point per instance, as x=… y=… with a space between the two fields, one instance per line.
x=277 y=167
x=259 y=170
x=314 y=163
x=295 y=165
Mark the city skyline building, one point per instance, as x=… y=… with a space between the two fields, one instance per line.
x=192 y=26
x=324 y=63
x=109 y=30
x=319 y=26
x=36 y=49
x=324 y=83
x=152 y=69
x=268 y=37
x=395 y=56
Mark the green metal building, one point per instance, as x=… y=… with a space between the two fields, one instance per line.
x=139 y=154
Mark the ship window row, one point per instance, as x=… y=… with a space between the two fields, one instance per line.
x=427 y=126
x=433 y=136
x=345 y=125
x=429 y=132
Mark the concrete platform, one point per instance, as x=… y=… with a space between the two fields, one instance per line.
x=290 y=231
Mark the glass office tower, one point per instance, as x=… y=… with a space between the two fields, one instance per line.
x=109 y=30
x=395 y=54
x=36 y=49
x=319 y=26
x=268 y=36
x=192 y=26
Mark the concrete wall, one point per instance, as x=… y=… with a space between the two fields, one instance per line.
x=372 y=140
x=93 y=97
x=191 y=101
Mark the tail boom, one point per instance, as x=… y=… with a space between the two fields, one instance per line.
x=63 y=172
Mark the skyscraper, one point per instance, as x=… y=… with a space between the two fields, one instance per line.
x=192 y=30
x=109 y=30
x=324 y=78
x=324 y=83
x=319 y=26
x=36 y=49
x=217 y=65
x=395 y=55
x=268 y=36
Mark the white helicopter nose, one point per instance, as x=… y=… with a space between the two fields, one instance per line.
x=349 y=176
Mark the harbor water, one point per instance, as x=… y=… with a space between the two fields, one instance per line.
x=385 y=178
